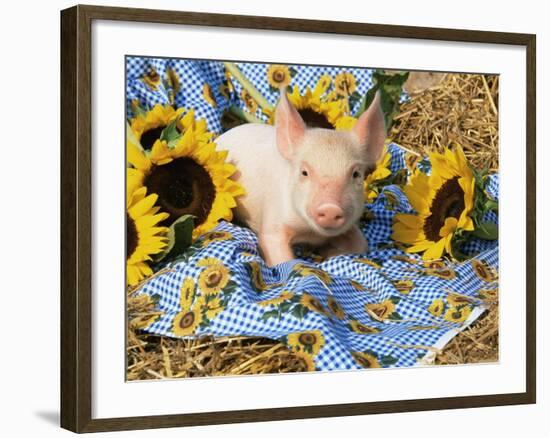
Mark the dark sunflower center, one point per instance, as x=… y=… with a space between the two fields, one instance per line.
x=187 y=320
x=279 y=76
x=307 y=339
x=380 y=311
x=448 y=202
x=402 y=287
x=213 y=278
x=131 y=236
x=316 y=305
x=482 y=271
x=363 y=361
x=153 y=76
x=149 y=137
x=314 y=119
x=183 y=187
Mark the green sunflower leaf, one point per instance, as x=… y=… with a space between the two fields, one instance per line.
x=231 y=287
x=285 y=306
x=180 y=236
x=388 y=360
x=491 y=205
x=270 y=314
x=486 y=231
x=299 y=311
x=395 y=316
x=170 y=133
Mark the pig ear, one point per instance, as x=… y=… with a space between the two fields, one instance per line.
x=370 y=129
x=289 y=126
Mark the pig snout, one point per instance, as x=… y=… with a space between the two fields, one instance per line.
x=329 y=216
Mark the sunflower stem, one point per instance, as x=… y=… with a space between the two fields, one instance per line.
x=243 y=115
x=248 y=86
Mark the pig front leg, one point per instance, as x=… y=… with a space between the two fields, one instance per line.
x=275 y=246
x=351 y=242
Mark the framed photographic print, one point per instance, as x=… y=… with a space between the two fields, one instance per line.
x=268 y=218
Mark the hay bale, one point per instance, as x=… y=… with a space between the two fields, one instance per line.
x=462 y=109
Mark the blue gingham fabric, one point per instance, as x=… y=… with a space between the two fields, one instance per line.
x=385 y=277
x=384 y=308
x=194 y=74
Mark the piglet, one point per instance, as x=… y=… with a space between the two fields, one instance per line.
x=304 y=185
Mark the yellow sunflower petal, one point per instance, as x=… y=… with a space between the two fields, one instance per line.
x=136 y=157
x=435 y=251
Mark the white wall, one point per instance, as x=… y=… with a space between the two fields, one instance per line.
x=29 y=217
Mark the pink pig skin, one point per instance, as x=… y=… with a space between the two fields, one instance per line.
x=304 y=185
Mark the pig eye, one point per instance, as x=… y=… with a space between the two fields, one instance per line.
x=304 y=173
x=356 y=174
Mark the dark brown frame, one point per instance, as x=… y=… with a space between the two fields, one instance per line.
x=76 y=174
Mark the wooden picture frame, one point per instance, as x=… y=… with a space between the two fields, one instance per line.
x=76 y=218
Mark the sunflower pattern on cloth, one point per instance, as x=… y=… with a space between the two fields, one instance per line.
x=206 y=86
x=385 y=308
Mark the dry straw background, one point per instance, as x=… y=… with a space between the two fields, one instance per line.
x=443 y=110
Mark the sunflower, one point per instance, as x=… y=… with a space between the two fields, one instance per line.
x=189 y=178
x=151 y=79
x=284 y=296
x=148 y=127
x=318 y=113
x=363 y=329
x=313 y=304
x=446 y=274
x=256 y=276
x=306 y=360
x=345 y=84
x=357 y=286
x=335 y=308
x=249 y=101
x=403 y=286
x=380 y=311
x=437 y=307
x=458 y=300
x=365 y=261
x=310 y=342
x=186 y=322
x=435 y=264
x=488 y=294
x=443 y=201
x=208 y=95
x=215 y=236
x=457 y=314
x=306 y=271
x=215 y=277
x=278 y=76
x=211 y=306
x=381 y=171
x=187 y=293
x=483 y=271
x=366 y=360
x=144 y=236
